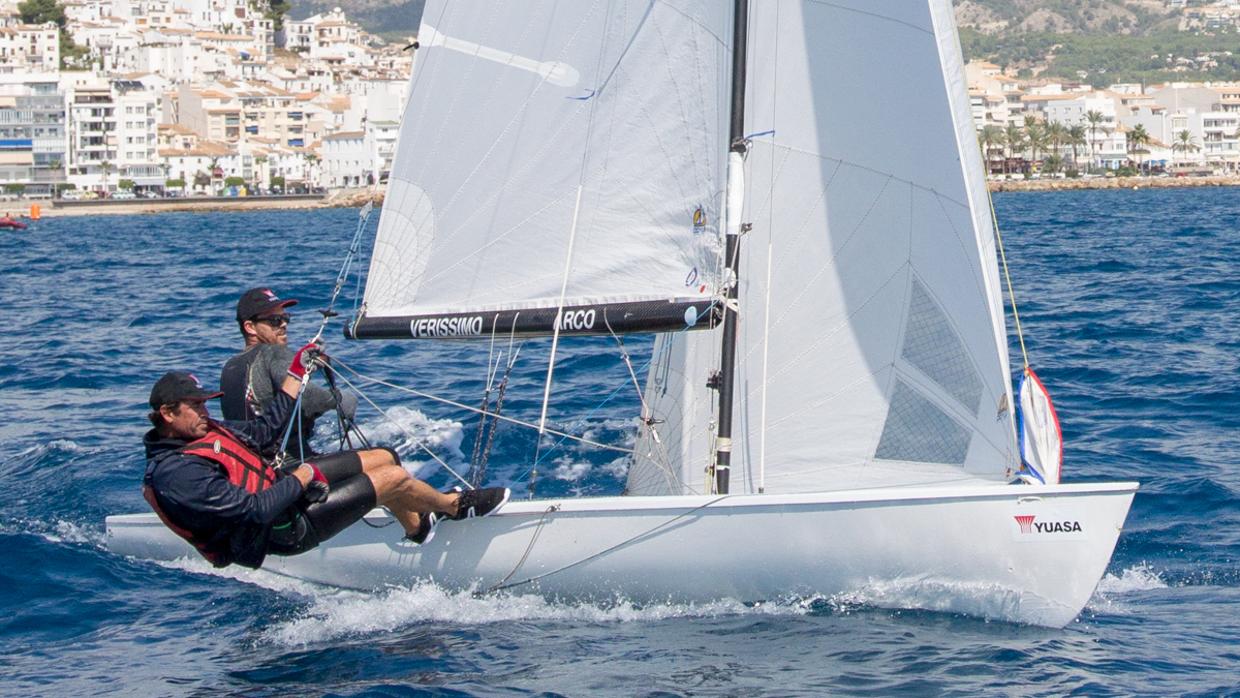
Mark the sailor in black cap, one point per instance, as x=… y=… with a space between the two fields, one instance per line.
x=210 y=484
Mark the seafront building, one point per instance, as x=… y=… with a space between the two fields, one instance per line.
x=205 y=96
x=193 y=96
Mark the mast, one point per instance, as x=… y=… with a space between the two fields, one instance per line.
x=735 y=203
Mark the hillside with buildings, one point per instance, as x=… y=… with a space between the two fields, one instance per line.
x=193 y=96
x=134 y=98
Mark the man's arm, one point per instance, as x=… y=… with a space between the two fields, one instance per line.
x=201 y=491
x=267 y=429
x=314 y=400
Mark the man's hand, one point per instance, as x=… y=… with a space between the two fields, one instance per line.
x=314 y=485
x=306 y=360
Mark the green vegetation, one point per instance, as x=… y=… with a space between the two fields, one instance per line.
x=277 y=182
x=126 y=184
x=15 y=188
x=234 y=182
x=44 y=11
x=274 y=10
x=1103 y=60
x=176 y=183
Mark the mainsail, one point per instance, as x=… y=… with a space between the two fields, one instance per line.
x=872 y=349
x=560 y=168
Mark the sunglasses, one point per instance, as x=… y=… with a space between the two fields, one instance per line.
x=274 y=320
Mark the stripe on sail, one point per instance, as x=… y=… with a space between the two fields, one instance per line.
x=578 y=320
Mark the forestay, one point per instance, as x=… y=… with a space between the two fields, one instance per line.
x=872 y=347
x=555 y=156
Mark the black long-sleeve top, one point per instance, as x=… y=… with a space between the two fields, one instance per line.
x=196 y=495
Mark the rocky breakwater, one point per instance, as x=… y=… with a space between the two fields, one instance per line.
x=1112 y=183
x=354 y=198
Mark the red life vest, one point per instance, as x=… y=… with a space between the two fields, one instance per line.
x=245 y=469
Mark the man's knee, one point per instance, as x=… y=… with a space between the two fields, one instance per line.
x=388 y=479
x=378 y=458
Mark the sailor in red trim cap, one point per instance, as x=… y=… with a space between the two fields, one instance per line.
x=210 y=484
x=252 y=378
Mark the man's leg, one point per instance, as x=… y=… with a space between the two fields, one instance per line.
x=406 y=496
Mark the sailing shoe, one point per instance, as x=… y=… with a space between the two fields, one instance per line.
x=481 y=502
x=426 y=528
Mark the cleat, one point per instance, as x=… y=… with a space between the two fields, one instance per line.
x=426 y=528
x=482 y=502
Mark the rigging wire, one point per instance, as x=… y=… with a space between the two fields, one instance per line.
x=529 y=580
x=1020 y=335
x=408 y=433
x=469 y=408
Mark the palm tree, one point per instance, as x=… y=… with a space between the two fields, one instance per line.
x=1137 y=139
x=1056 y=135
x=990 y=137
x=1094 y=118
x=106 y=168
x=1035 y=136
x=1076 y=139
x=1014 y=139
x=1184 y=143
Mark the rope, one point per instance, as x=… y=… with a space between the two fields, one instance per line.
x=502 y=585
x=1008 y=277
x=408 y=433
x=363 y=215
x=468 y=408
x=528 y=548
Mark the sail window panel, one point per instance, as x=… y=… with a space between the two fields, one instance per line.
x=622 y=101
x=918 y=430
x=947 y=263
x=934 y=347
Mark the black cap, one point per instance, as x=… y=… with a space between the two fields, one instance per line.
x=176 y=386
x=260 y=301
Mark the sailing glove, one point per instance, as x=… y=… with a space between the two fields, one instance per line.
x=317 y=489
x=306 y=360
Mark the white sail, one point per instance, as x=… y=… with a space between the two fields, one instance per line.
x=883 y=360
x=536 y=129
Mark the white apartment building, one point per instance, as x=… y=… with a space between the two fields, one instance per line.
x=28 y=47
x=112 y=132
x=32 y=131
x=347 y=160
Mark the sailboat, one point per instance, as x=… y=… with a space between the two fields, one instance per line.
x=791 y=196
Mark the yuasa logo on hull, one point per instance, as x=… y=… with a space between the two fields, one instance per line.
x=446 y=327
x=1031 y=527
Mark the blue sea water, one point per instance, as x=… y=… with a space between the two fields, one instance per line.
x=1129 y=301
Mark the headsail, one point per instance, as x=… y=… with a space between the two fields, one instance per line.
x=536 y=129
x=883 y=358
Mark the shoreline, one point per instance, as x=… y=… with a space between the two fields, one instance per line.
x=1112 y=183
x=50 y=209
x=354 y=198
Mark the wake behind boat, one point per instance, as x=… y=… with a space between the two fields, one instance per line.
x=792 y=197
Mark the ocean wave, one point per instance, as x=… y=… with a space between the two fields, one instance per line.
x=338 y=614
x=412 y=433
x=1141 y=577
x=57 y=531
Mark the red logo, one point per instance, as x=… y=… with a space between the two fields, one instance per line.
x=1026 y=523
x=197 y=383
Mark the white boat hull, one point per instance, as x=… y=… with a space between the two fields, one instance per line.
x=1030 y=554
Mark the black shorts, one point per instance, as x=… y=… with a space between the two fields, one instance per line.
x=304 y=525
